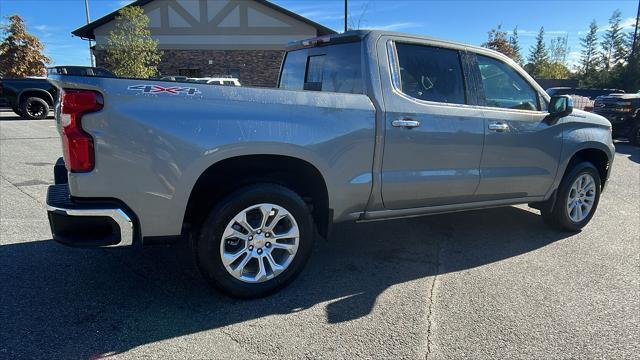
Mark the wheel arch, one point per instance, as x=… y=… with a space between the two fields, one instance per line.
x=35 y=92
x=594 y=155
x=297 y=174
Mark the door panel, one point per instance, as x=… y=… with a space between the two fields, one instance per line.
x=521 y=148
x=522 y=160
x=436 y=162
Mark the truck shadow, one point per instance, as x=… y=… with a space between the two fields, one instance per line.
x=628 y=149
x=77 y=303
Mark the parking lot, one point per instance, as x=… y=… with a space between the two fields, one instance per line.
x=484 y=284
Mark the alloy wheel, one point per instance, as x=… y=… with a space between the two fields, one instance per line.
x=581 y=198
x=259 y=243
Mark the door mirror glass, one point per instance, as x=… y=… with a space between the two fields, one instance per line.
x=561 y=105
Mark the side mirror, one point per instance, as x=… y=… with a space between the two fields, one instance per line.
x=560 y=105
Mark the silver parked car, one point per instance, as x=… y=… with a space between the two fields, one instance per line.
x=365 y=125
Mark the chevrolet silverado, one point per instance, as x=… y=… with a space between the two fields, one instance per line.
x=364 y=126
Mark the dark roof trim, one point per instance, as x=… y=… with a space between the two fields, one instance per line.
x=86 y=32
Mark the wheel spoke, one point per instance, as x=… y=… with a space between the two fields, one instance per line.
x=275 y=222
x=292 y=233
x=275 y=267
x=228 y=258
x=266 y=213
x=241 y=219
x=238 y=270
x=288 y=247
x=262 y=272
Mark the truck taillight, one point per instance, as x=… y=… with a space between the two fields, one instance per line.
x=76 y=143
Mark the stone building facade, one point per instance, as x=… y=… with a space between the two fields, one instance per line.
x=199 y=38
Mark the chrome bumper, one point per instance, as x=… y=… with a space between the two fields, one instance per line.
x=87 y=224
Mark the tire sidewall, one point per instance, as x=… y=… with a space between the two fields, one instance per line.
x=633 y=136
x=25 y=106
x=210 y=237
x=578 y=170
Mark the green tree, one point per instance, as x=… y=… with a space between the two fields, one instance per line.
x=131 y=52
x=554 y=70
x=538 y=57
x=20 y=52
x=559 y=49
x=589 y=54
x=514 y=41
x=498 y=41
x=613 y=43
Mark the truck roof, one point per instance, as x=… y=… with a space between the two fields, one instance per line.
x=359 y=35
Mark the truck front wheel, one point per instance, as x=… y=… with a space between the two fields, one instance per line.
x=577 y=198
x=34 y=108
x=255 y=241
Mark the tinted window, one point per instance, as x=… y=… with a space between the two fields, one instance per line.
x=431 y=73
x=335 y=68
x=292 y=77
x=315 y=68
x=504 y=87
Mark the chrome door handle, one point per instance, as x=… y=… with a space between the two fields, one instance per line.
x=406 y=123
x=497 y=126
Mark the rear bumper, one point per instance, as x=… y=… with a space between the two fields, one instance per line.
x=87 y=223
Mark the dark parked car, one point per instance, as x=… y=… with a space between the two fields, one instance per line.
x=623 y=111
x=590 y=93
x=29 y=98
x=79 y=71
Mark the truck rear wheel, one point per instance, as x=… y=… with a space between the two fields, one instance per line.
x=577 y=198
x=255 y=241
x=34 y=108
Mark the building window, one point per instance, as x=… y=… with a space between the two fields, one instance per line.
x=189 y=72
x=234 y=73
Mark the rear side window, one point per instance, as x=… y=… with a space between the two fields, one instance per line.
x=334 y=68
x=504 y=87
x=430 y=73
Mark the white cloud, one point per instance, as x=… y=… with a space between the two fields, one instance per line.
x=628 y=23
x=395 y=26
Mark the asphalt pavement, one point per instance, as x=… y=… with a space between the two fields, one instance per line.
x=483 y=284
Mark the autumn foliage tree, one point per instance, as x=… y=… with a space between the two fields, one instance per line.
x=131 y=51
x=20 y=52
x=498 y=41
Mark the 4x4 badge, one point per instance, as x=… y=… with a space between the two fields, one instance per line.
x=157 y=89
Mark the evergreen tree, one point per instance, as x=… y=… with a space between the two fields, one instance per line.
x=538 y=57
x=20 y=52
x=514 y=41
x=131 y=52
x=588 y=58
x=613 y=49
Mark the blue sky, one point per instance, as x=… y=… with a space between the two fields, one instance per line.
x=465 y=21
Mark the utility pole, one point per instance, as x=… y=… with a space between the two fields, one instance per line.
x=635 y=34
x=86 y=11
x=346 y=12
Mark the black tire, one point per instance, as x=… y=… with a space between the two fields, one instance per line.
x=634 y=136
x=558 y=216
x=209 y=240
x=17 y=111
x=34 y=108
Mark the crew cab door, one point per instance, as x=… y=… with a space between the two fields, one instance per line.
x=522 y=146
x=433 y=139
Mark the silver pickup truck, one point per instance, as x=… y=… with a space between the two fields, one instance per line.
x=364 y=126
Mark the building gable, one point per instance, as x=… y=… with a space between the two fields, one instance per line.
x=218 y=24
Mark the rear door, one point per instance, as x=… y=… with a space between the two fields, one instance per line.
x=433 y=139
x=522 y=147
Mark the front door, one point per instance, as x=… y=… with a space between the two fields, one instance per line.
x=522 y=147
x=433 y=141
